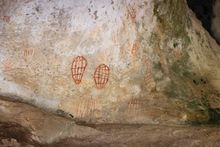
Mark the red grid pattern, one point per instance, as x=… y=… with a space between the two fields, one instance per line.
x=85 y=107
x=101 y=76
x=78 y=68
x=135 y=104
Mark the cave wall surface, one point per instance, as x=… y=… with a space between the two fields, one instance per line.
x=107 y=61
x=216 y=20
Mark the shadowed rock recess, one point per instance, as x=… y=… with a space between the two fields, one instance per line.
x=71 y=70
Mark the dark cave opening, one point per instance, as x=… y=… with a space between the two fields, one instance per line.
x=203 y=10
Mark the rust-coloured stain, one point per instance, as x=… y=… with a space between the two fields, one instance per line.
x=101 y=76
x=78 y=68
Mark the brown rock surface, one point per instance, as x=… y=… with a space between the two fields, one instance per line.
x=48 y=130
x=43 y=126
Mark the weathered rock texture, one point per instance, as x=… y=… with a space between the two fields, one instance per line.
x=216 y=21
x=43 y=127
x=106 y=61
x=22 y=125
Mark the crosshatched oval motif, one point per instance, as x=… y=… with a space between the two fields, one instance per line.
x=101 y=76
x=78 y=68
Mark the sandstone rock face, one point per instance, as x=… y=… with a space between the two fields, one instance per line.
x=106 y=61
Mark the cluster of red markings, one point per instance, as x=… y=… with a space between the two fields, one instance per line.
x=101 y=74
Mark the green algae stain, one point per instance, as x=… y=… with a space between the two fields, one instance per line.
x=181 y=67
x=173 y=19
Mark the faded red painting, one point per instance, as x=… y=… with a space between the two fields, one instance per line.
x=135 y=48
x=8 y=64
x=78 y=68
x=85 y=108
x=28 y=52
x=149 y=80
x=6 y=19
x=131 y=12
x=135 y=104
x=101 y=76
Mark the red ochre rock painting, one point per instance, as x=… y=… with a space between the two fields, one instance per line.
x=8 y=64
x=177 y=53
x=78 y=68
x=101 y=76
x=28 y=52
x=134 y=105
x=85 y=107
x=6 y=19
x=135 y=48
x=132 y=12
x=149 y=80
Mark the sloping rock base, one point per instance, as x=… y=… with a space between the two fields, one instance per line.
x=22 y=125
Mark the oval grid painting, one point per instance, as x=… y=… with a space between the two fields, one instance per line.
x=101 y=76
x=78 y=68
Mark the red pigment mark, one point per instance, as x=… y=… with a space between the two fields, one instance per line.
x=115 y=37
x=85 y=107
x=27 y=52
x=135 y=48
x=101 y=76
x=78 y=68
x=8 y=64
x=132 y=12
x=6 y=19
x=177 y=53
x=135 y=104
x=149 y=80
x=148 y=64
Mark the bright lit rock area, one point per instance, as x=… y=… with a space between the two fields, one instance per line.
x=98 y=73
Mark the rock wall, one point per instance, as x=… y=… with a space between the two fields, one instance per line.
x=106 y=61
x=216 y=20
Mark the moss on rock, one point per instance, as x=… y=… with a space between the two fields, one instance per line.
x=171 y=19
